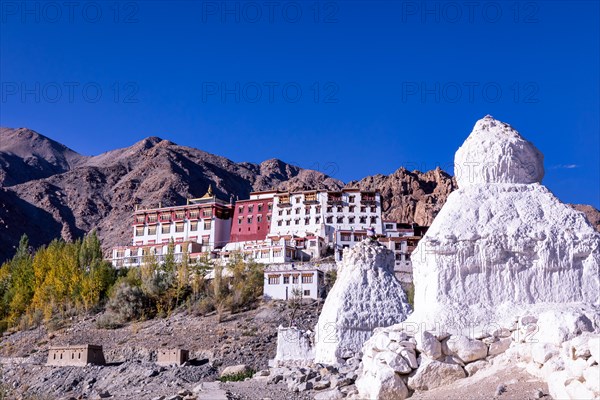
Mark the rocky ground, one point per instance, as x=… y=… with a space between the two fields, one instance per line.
x=245 y=338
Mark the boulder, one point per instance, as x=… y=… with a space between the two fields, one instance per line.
x=382 y=383
x=500 y=346
x=476 y=366
x=432 y=374
x=428 y=344
x=466 y=349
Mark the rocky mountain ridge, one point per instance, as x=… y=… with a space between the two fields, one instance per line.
x=48 y=190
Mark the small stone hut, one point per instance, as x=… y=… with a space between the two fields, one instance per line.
x=172 y=356
x=77 y=355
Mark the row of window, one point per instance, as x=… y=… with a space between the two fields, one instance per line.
x=329 y=220
x=193 y=214
x=274 y=279
x=250 y=218
x=251 y=208
x=166 y=228
x=313 y=197
x=346 y=237
x=330 y=209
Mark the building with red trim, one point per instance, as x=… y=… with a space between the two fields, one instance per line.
x=201 y=226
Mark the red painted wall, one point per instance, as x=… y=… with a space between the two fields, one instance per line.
x=254 y=230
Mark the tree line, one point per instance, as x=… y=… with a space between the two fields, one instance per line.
x=70 y=278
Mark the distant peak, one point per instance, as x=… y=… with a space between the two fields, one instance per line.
x=151 y=141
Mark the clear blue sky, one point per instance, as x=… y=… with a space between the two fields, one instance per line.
x=351 y=88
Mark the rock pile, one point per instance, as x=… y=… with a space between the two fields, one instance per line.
x=571 y=369
x=399 y=358
x=327 y=381
x=366 y=295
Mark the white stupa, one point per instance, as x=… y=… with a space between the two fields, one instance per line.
x=502 y=242
x=366 y=295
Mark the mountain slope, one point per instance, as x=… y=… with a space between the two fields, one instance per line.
x=26 y=155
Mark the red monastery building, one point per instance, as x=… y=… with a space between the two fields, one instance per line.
x=252 y=217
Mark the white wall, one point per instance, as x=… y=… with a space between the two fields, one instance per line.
x=284 y=291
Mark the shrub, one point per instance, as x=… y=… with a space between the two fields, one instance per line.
x=205 y=306
x=238 y=377
x=127 y=302
x=109 y=320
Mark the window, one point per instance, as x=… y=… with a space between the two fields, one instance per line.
x=194 y=214
x=286 y=279
x=363 y=209
x=152 y=230
x=317 y=220
x=297 y=211
x=373 y=209
x=329 y=209
x=165 y=217
x=152 y=218
x=277 y=253
x=295 y=279
x=240 y=220
x=329 y=220
x=297 y=221
x=373 y=220
x=140 y=219
x=207 y=212
x=165 y=228
x=288 y=212
x=345 y=237
x=351 y=209
x=249 y=219
x=389 y=226
x=340 y=209
x=241 y=209
x=351 y=220
x=288 y=222
x=363 y=220
x=318 y=209
x=180 y=215
x=313 y=243
x=259 y=218
x=259 y=207
x=273 y=279
x=280 y=212
x=351 y=199
x=307 y=292
x=179 y=227
x=307 y=278
x=298 y=199
x=270 y=206
x=279 y=223
x=306 y=221
x=250 y=209
x=207 y=224
x=307 y=210
x=139 y=231
x=340 y=220
x=268 y=218
x=205 y=240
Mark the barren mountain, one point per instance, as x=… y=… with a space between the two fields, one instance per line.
x=48 y=190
